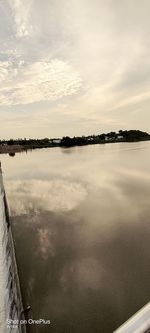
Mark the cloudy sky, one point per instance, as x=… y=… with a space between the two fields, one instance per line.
x=72 y=67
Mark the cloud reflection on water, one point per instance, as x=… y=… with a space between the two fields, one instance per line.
x=84 y=263
x=51 y=195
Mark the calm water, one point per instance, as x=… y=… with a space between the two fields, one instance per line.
x=81 y=221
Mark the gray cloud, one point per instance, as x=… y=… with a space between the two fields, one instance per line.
x=106 y=44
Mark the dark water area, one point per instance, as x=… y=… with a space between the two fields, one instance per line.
x=81 y=223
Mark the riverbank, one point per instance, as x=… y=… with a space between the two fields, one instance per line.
x=16 y=146
x=6 y=149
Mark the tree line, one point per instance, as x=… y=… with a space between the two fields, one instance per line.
x=120 y=136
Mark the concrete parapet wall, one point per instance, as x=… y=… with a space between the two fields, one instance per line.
x=10 y=295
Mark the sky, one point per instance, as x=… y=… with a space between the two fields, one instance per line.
x=74 y=67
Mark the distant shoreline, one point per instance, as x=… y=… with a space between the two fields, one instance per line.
x=12 y=147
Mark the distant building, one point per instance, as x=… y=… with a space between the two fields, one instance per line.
x=108 y=138
x=56 y=140
x=90 y=138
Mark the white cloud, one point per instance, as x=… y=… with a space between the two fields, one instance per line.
x=21 y=13
x=24 y=83
x=105 y=43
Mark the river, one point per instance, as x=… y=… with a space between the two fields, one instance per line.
x=81 y=224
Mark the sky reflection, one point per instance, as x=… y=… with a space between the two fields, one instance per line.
x=82 y=234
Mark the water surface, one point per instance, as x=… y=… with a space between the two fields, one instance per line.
x=81 y=223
